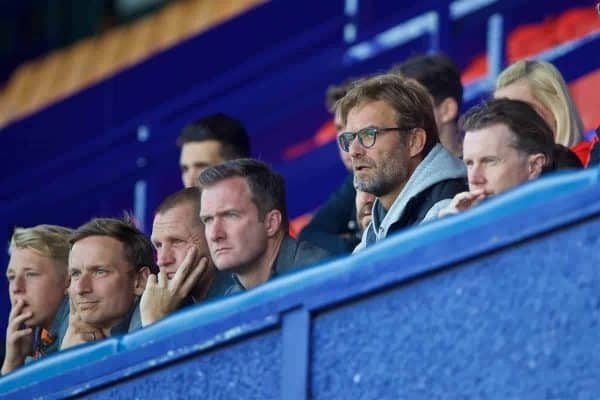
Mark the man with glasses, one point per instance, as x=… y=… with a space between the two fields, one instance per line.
x=391 y=135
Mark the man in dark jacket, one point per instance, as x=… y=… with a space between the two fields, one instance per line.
x=242 y=206
x=391 y=134
x=334 y=226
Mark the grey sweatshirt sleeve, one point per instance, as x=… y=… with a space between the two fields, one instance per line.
x=433 y=212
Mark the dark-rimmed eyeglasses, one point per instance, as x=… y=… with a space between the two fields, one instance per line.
x=366 y=137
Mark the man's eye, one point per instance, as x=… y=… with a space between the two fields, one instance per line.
x=31 y=274
x=178 y=242
x=10 y=277
x=370 y=132
x=74 y=274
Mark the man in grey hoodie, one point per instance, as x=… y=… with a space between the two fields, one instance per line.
x=397 y=155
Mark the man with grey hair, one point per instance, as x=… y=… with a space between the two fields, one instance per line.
x=37 y=283
x=392 y=137
x=187 y=274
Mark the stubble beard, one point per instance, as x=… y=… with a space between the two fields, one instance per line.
x=385 y=179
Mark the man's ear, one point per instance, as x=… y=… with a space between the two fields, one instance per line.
x=535 y=165
x=67 y=283
x=416 y=142
x=273 y=220
x=141 y=276
x=447 y=110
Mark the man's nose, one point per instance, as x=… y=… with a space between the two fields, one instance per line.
x=17 y=285
x=164 y=256
x=216 y=231
x=188 y=179
x=356 y=149
x=83 y=284
x=476 y=175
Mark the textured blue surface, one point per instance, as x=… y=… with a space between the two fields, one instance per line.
x=521 y=323
x=248 y=369
x=57 y=365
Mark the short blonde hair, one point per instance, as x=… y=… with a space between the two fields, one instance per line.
x=549 y=88
x=51 y=241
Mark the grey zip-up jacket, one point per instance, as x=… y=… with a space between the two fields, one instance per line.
x=430 y=188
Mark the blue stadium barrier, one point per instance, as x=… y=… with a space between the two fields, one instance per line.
x=65 y=361
x=468 y=306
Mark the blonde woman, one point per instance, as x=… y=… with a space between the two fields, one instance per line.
x=540 y=84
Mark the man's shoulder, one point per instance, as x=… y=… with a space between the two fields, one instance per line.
x=445 y=189
x=223 y=284
x=135 y=322
x=60 y=323
x=418 y=208
x=448 y=188
x=295 y=254
x=309 y=253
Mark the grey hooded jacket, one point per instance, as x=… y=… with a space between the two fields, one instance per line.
x=430 y=188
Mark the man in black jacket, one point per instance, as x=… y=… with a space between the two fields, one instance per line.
x=334 y=226
x=242 y=206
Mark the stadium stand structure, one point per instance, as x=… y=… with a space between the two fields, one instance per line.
x=36 y=84
x=496 y=302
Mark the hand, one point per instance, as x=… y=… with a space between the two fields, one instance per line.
x=161 y=296
x=19 y=339
x=79 y=332
x=464 y=201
